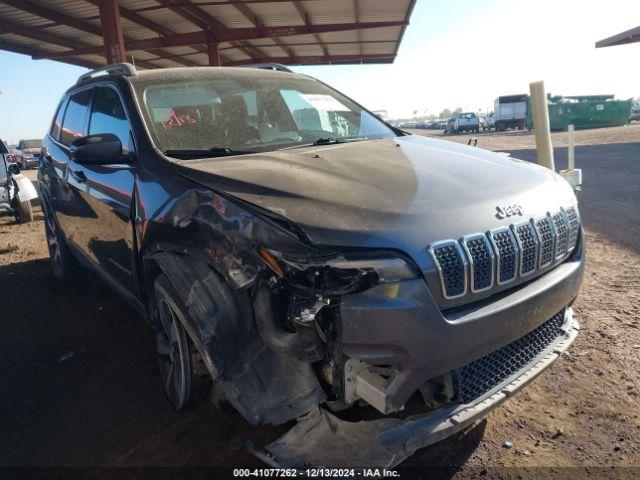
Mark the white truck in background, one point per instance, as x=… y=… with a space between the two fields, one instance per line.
x=510 y=111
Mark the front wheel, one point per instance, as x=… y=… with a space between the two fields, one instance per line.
x=172 y=343
x=24 y=211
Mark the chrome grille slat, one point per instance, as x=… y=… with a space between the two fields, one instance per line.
x=477 y=262
x=452 y=268
x=480 y=258
x=506 y=251
x=562 y=233
x=547 y=238
x=528 y=246
x=574 y=227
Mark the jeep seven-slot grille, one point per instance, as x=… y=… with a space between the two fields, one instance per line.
x=481 y=376
x=544 y=229
x=507 y=255
x=452 y=268
x=519 y=250
x=528 y=244
x=562 y=233
x=574 y=227
x=480 y=262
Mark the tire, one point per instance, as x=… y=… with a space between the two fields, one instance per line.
x=173 y=348
x=63 y=264
x=24 y=212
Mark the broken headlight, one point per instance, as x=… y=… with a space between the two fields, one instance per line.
x=338 y=274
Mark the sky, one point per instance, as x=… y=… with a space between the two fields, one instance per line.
x=455 y=53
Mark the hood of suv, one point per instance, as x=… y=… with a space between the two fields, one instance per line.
x=403 y=193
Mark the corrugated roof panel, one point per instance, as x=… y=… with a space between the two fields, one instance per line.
x=270 y=14
x=344 y=49
x=384 y=33
x=72 y=8
x=171 y=20
x=74 y=35
x=138 y=4
x=344 y=36
x=21 y=17
x=299 y=39
x=135 y=31
x=378 y=48
x=308 y=50
x=227 y=15
x=20 y=41
x=277 y=14
x=180 y=50
x=236 y=54
x=91 y=58
x=330 y=11
x=383 y=10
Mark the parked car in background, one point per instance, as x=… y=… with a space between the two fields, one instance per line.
x=489 y=122
x=466 y=122
x=16 y=190
x=28 y=153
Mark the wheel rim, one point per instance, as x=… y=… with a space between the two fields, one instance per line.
x=52 y=240
x=173 y=355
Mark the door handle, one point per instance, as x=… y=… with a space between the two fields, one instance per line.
x=79 y=176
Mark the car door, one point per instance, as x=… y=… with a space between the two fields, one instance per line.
x=69 y=125
x=103 y=230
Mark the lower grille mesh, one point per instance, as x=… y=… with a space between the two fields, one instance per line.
x=486 y=373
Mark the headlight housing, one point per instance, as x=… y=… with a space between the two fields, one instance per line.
x=338 y=274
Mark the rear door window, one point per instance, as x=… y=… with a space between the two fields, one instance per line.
x=75 y=118
x=56 y=128
x=108 y=116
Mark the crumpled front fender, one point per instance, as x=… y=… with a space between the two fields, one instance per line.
x=26 y=190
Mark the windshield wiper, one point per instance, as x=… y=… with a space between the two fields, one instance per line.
x=327 y=141
x=201 y=153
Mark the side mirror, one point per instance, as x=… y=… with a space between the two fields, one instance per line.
x=13 y=169
x=101 y=149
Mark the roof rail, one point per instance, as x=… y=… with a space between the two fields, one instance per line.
x=124 y=69
x=268 y=66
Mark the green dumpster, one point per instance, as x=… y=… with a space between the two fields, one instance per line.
x=583 y=111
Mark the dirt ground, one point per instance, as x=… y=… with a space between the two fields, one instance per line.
x=79 y=384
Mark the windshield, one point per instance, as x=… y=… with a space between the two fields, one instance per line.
x=29 y=144
x=237 y=112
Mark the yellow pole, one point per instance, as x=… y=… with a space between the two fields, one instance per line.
x=541 y=128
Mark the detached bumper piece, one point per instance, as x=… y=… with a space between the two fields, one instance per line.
x=322 y=439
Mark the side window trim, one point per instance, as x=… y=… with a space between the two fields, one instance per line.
x=87 y=113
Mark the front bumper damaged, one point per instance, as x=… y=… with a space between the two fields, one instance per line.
x=322 y=439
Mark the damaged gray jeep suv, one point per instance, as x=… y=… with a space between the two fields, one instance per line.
x=308 y=260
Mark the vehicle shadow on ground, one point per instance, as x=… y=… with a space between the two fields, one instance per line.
x=610 y=194
x=80 y=387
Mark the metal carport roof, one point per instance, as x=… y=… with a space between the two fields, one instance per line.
x=169 y=33
x=630 y=36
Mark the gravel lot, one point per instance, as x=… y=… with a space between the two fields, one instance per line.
x=80 y=385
